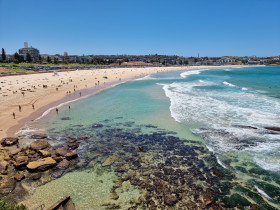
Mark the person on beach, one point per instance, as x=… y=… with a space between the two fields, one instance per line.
x=14 y=115
x=80 y=94
x=33 y=106
x=69 y=107
x=19 y=108
x=56 y=110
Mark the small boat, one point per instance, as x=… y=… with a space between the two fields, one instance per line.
x=65 y=203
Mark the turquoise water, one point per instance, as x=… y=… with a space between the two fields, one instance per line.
x=227 y=110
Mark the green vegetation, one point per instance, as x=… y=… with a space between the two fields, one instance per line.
x=49 y=64
x=11 y=206
x=12 y=70
x=3 y=54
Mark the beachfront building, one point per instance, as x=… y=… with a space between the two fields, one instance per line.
x=33 y=52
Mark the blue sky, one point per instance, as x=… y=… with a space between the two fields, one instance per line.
x=181 y=27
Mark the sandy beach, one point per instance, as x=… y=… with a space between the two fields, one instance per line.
x=28 y=96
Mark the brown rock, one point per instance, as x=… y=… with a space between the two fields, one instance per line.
x=118 y=183
x=7 y=186
x=45 y=153
x=35 y=176
x=71 y=155
x=21 y=161
x=191 y=205
x=114 y=196
x=61 y=151
x=209 y=196
x=8 y=141
x=109 y=160
x=14 y=152
x=42 y=164
x=273 y=128
x=58 y=158
x=3 y=165
x=56 y=173
x=19 y=176
x=63 y=164
x=141 y=148
x=217 y=173
x=170 y=199
x=39 y=144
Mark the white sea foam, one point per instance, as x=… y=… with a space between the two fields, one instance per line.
x=148 y=77
x=24 y=131
x=218 y=111
x=262 y=192
x=270 y=164
x=190 y=72
x=228 y=84
x=221 y=163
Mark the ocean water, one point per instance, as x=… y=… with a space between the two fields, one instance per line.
x=227 y=110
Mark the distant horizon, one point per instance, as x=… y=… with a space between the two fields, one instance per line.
x=123 y=27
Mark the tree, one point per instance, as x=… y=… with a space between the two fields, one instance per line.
x=28 y=58
x=49 y=59
x=55 y=61
x=40 y=59
x=3 y=54
x=16 y=58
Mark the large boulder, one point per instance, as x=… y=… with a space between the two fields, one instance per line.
x=9 y=141
x=42 y=164
x=39 y=144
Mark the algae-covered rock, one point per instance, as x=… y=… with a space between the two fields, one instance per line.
x=109 y=160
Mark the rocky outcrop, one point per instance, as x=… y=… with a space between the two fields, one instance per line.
x=42 y=164
x=9 y=141
x=39 y=144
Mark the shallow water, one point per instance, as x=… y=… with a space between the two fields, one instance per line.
x=226 y=110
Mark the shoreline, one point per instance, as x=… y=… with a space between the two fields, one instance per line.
x=45 y=100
